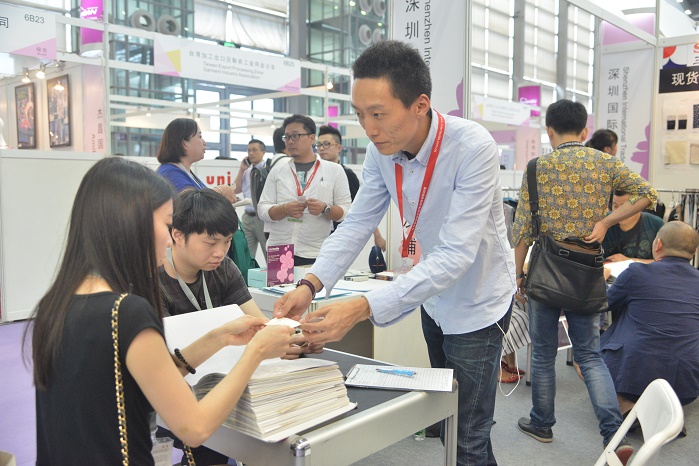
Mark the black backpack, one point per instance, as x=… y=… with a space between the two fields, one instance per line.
x=258 y=176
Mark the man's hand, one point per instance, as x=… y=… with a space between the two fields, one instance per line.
x=617 y=258
x=335 y=320
x=294 y=303
x=298 y=348
x=379 y=241
x=519 y=295
x=294 y=209
x=315 y=206
x=598 y=233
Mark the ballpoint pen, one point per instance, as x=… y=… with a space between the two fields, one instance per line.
x=401 y=372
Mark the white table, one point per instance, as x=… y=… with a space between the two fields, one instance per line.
x=383 y=417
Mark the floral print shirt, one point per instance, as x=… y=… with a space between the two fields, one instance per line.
x=574 y=186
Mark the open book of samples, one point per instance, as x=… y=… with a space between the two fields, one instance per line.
x=285 y=397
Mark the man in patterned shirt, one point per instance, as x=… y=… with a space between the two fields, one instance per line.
x=574 y=183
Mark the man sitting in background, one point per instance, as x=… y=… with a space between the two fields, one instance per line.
x=633 y=237
x=656 y=334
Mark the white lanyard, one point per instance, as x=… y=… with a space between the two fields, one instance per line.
x=196 y=180
x=186 y=289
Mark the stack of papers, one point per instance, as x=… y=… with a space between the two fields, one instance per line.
x=285 y=397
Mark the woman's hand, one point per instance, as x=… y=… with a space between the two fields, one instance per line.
x=241 y=330
x=273 y=341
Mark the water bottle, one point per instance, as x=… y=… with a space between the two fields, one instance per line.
x=419 y=435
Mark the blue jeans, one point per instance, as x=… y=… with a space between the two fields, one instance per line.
x=475 y=358
x=584 y=335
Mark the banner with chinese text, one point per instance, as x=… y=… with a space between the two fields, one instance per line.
x=624 y=106
x=185 y=58
x=436 y=29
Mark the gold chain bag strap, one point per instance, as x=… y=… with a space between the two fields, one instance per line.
x=121 y=406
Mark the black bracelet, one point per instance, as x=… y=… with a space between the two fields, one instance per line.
x=521 y=275
x=189 y=368
x=310 y=285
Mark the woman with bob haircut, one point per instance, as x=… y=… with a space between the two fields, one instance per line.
x=118 y=232
x=182 y=145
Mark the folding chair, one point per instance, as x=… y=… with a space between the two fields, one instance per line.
x=660 y=413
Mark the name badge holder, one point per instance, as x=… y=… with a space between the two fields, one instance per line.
x=185 y=288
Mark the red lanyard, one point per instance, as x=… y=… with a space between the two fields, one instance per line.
x=308 y=183
x=425 y=184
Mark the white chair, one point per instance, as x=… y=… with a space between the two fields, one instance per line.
x=661 y=417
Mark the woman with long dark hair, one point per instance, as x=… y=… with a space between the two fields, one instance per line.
x=182 y=145
x=119 y=230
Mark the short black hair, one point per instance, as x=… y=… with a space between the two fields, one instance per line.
x=204 y=211
x=401 y=65
x=602 y=138
x=327 y=129
x=257 y=141
x=566 y=117
x=177 y=131
x=279 y=144
x=307 y=122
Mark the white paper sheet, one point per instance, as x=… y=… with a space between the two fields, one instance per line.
x=181 y=330
x=617 y=267
x=426 y=379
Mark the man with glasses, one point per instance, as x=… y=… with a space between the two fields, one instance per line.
x=329 y=148
x=302 y=197
x=253 y=227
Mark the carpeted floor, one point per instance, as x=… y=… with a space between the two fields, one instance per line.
x=576 y=435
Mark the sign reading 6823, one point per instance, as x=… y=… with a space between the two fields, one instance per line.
x=27 y=31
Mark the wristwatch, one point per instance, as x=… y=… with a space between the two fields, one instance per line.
x=326 y=211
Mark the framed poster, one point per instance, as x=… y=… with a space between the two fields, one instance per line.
x=58 y=93
x=25 y=100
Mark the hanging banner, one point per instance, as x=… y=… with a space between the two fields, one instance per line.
x=185 y=58
x=436 y=29
x=624 y=106
x=26 y=31
x=94 y=129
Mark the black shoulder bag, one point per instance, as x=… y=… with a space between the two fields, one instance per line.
x=566 y=274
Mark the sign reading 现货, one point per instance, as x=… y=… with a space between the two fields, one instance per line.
x=27 y=31
x=185 y=58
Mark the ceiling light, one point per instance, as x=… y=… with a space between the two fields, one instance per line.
x=148 y=114
x=26 y=78
x=329 y=85
x=688 y=12
x=40 y=72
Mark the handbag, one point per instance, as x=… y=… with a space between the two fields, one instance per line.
x=566 y=274
x=121 y=407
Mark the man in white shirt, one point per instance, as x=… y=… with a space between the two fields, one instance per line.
x=465 y=279
x=302 y=197
x=253 y=227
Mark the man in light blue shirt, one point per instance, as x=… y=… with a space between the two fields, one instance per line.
x=465 y=279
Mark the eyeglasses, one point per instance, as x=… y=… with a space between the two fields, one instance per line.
x=294 y=137
x=325 y=145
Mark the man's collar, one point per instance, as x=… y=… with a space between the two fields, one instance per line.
x=423 y=155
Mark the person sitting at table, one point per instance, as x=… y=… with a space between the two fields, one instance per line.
x=198 y=275
x=656 y=334
x=100 y=325
x=631 y=238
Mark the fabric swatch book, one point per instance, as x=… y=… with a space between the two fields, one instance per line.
x=285 y=397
